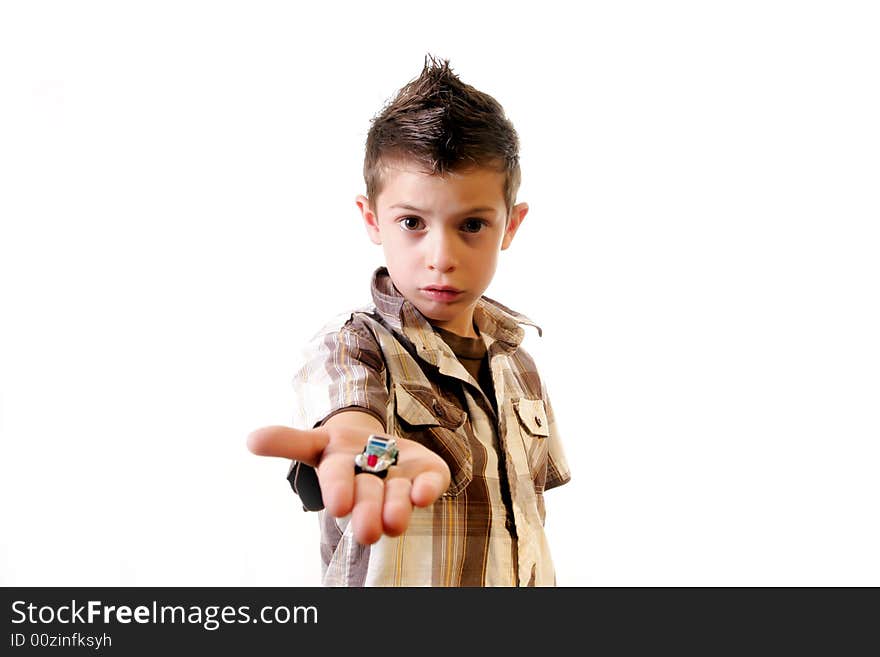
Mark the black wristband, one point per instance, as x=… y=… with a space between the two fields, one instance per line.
x=304 y=482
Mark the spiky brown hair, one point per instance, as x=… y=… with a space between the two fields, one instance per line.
x=443 y=125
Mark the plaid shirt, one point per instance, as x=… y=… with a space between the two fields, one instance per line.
x=487 y=528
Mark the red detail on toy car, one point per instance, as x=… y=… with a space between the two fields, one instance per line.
x=371 y=460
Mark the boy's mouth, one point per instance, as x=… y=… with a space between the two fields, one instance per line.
x=441 y=292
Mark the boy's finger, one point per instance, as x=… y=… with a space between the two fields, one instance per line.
x=289 y=443
x=366 y=517
x=428 y=486
x=397 y=507
x=336 y=476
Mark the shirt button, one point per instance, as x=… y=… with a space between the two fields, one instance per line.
x=537 y=420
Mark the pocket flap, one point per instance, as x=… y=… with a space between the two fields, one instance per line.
x=419 y=406
x=533 y=416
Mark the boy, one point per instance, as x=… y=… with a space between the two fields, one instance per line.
x=456 y=498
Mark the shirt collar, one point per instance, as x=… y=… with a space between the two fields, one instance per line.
x=492 y=318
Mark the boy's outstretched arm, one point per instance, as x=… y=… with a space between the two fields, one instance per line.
x=377 y=506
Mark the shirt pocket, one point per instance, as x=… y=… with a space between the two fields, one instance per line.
x=426 y=418
x=534 y=429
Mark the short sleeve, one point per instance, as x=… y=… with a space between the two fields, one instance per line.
x=557 y=467
x=342 y=367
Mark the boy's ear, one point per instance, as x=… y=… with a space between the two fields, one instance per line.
x=513 y=223
x=371 y=221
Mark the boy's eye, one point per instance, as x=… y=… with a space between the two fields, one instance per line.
x=411 y=223
x=473 y=225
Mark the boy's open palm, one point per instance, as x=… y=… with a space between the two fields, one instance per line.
x=377 y=506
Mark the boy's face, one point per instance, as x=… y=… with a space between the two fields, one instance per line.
x=448 y=237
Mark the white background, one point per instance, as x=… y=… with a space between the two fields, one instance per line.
x=177 y=218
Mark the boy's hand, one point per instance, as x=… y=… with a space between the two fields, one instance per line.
x=376 y=505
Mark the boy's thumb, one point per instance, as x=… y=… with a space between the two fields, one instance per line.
x=305 y=446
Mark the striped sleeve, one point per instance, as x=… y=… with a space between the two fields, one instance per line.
x=342 y=367
x=557 y=467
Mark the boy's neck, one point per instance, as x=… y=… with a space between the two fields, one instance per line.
x=474 y=333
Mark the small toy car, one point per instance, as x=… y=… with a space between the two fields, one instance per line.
x=379 y=454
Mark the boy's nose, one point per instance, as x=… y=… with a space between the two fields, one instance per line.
x=440 y=256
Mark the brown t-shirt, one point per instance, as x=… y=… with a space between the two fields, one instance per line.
x=472 y=353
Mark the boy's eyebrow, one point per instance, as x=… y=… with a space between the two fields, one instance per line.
x=404 y=206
